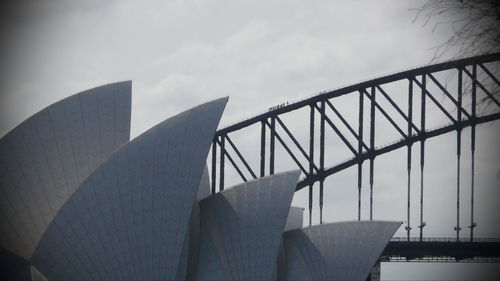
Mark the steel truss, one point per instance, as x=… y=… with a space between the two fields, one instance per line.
x=363 y=149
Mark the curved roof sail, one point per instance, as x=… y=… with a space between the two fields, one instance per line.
x=336 y=251
x=46 y=158
x=241 y=228
x=129 y=219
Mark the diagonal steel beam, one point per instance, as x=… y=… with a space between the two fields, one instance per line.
x=482 y=87
x=346 y=124
x=223 y=150
x=384 y=113
x=415 y=138
x=294 y=140
x=241 y=157
x=489 y=73
x=363 y=85
x=455 y=102
x=337 y=131
x=397 y=108
x=427 y=93
x=278 y=137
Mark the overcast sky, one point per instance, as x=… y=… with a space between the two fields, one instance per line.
x=182 y=53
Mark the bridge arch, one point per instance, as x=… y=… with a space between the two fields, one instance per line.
x=472 y=77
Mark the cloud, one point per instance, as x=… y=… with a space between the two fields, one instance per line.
x=260 y=54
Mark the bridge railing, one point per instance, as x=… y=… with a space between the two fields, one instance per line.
x=445 y=239
x=442 y=249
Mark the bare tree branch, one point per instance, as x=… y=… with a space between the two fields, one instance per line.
x=475 y=26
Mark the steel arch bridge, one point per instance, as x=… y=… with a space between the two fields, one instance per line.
x=474 y=78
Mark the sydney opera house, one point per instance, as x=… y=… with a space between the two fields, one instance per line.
x=81 y=201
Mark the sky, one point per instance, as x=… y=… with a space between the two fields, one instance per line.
x=259 y=53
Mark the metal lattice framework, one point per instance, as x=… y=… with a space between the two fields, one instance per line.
x=424 y=83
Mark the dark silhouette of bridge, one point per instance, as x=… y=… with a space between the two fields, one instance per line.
x=424 y=86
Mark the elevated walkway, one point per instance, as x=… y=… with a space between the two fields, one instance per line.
x=479 y=250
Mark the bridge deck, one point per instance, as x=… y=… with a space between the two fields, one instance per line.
x=442 y=250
